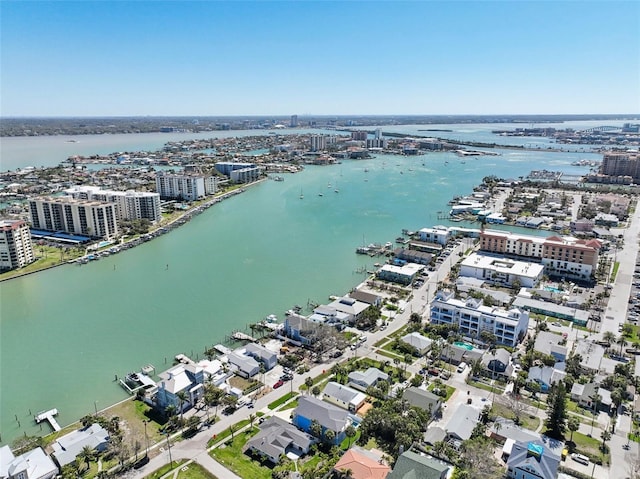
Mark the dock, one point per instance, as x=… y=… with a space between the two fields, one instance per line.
x=49 y=417
x=238 y=336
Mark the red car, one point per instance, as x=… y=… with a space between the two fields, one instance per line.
x=278 y=384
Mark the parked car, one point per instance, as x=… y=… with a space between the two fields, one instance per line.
x=461 y=366
x=580 y=458
x=278 y=384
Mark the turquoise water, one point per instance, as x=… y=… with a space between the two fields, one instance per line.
x=467 y=346
x=552 y=289
x=66 y=332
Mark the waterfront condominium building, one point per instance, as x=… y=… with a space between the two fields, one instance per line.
x=472 y=318
x=318 y=142
x=181 y=187
x=85 y=217
x=16 y=249
x=131 y=205
x=501 y=271
x=239 y=172
x=561 y=256
x=621 y=164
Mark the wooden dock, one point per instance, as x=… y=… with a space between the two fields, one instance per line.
x=49 y=417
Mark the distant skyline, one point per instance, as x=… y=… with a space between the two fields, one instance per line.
x=212 y=58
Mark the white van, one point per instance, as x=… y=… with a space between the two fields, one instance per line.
x=580 y=458
x=462 y=366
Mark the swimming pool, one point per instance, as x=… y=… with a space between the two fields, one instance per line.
x=553 y=290
x=467 y=346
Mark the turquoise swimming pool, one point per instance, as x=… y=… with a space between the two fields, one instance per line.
x=467 y=346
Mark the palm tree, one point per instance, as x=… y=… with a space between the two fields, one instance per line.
x=622 y=342
x=609 y=338
x=252 y=417
x=329 y=436
x=182 y=398
x=86 y=455
x=573 y=424
x=606 y=435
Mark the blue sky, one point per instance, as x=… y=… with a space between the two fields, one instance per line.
x=121 y=58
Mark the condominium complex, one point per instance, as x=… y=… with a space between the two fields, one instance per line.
x=16 y=249
x=501 y=271
x=84 y=217
x=561 y=256
x=622 y=164
x=130 y=205
x=181 y=187
x=472 y=317
x=239 y=172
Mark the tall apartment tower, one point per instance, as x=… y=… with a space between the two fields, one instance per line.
x=318 y=142
x=16 y=249
x=294 y=121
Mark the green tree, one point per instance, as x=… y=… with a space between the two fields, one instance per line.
x=86 y=454
x=315 y=429
x=622 y=342
x=329 y=436
x=556 y=422
x=351 y=432
x=605 y=436
x=573 y=424
x=315 y=390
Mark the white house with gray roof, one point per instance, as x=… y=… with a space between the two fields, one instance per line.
x=66 y=448
x=243 y=365
x=462 y=423
x=268 y=358
x=33 y=464
x=532 y=460
x=343 y=396
x=418 y=341
x=365 y=379
x=349 y=306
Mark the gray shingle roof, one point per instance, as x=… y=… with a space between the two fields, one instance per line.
x=276 y=435
x=329 y=416
x=463 y=422
x=545 y=465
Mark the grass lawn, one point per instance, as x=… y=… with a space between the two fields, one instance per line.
x=290 y=405
x=231 y=456
x=486 y=387
x=388 y=354
x=46 y=256
x=381 y=342
x=316 y=380
x=282 y=400
x=526 y=421
x=635 y=334
x=371 y=444
x=616 y=266
x=450 y=390
x=589 y=446
x=227 y=432
x=195 y=471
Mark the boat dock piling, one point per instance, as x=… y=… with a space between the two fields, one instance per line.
x=48 y=416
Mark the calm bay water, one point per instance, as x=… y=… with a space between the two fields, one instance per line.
x=66 y=332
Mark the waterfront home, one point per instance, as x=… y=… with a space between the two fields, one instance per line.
x=343 y=396
x=414 y=465
x=412 y=256
x=243 y=365
x=330 y=417
x=33 y=464
x=268 y=358
x=425 y=400
x=182 y=378
x=532 y=460
x=365 y=379
x=363 y=464
x=366 y=297
x=66 y=448
x=349 y=306
x=278 y=438
x=418 y=341
x=330 y=316
x=300 y=329
x=399 y=274
x=438 y=234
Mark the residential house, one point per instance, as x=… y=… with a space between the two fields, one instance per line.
x=183 y=378
x=301 y=330
x=366 y=297
x=425 y=400
x=411 y=465
x=363 y=464
x=592 y=355
x=549 y=343
x=277 y=438
x=330 y=417
x=243 y=365
x=33 y=464
x=532 y=460
x=497 y=364
x=418 y=341
x=268 y=358
x=365 y=379
x=591 y=396
x=462 y=423
x=343 y=396
x=66 y=448
x=350 y=306
x=546 y=376
x=399 y=274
